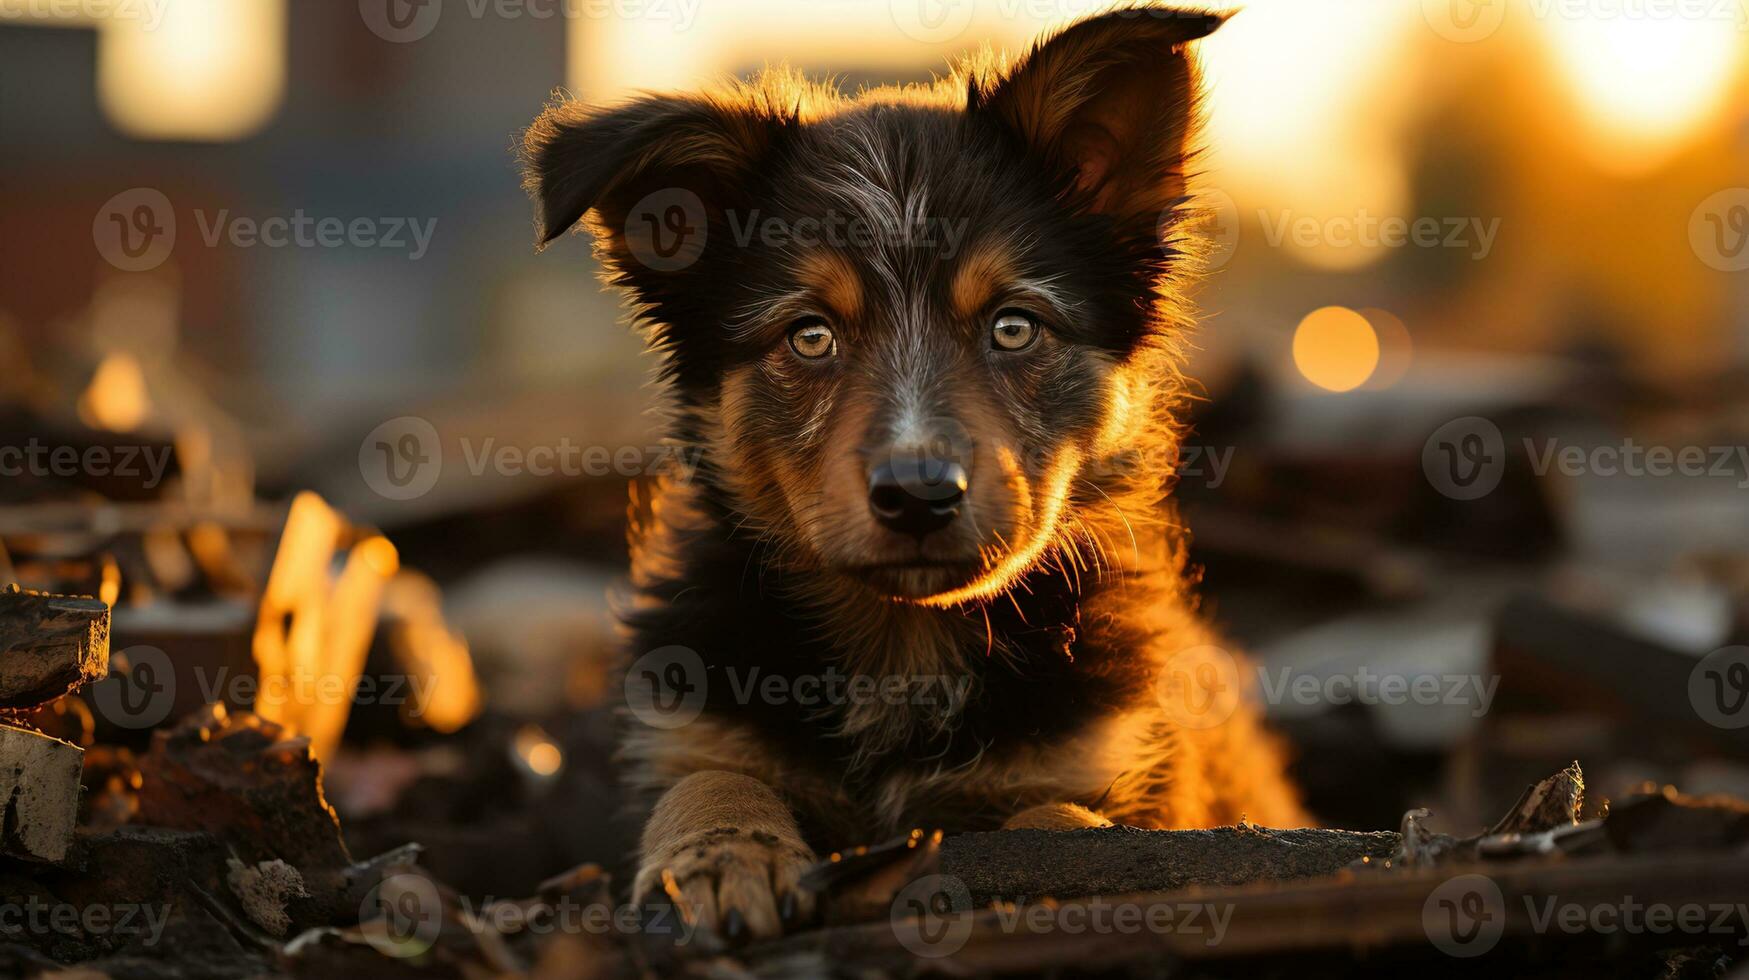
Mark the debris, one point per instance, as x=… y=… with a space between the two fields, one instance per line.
x=1117 y=860
x=39 y=794
x=241 y=778
x=49 y=645
x=265 y=889
x=1554 y=802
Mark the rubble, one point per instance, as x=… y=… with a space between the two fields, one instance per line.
x=49 y=645
x=39 y=794
x=1116 y=860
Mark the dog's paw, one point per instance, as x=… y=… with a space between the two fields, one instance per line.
x=734 y=883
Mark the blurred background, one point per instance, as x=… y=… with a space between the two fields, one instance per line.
x=1480 y=289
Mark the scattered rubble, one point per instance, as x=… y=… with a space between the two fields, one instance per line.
x=39 y=793
x=49 y=645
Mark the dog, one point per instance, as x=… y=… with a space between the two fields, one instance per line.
x=924 y=344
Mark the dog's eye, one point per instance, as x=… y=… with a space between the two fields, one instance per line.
x=1013 y=331
x=812 y=339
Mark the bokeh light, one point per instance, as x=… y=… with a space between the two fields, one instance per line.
x=1336 y=348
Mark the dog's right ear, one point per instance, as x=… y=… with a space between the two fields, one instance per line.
x=695 y=150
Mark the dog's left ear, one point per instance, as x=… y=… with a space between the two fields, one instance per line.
x=1109 y=104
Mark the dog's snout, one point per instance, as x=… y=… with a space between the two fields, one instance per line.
x=916 y=495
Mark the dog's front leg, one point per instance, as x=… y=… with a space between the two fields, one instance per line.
x=1055 y=816
x=727 y=851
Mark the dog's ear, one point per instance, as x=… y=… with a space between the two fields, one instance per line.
x=1108 y=104
x=677 y=156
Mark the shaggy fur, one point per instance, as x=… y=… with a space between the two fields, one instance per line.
x=1044 y=633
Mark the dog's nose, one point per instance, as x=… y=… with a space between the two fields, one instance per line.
x=918 y=495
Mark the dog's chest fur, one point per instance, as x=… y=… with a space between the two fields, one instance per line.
x=901 y=710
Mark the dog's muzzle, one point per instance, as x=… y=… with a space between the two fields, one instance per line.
x=916 y=495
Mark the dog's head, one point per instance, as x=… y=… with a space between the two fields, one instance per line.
x=910 y=330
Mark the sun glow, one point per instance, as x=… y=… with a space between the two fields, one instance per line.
x=1646 y=85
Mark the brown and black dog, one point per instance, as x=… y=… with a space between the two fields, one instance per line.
x=925 y=345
